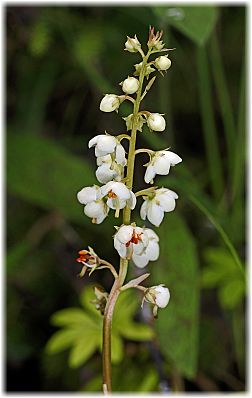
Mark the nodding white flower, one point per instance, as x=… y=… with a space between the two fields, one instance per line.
x=117 y=196
x=158 y=295
x=150 y=252
x=140 y=244
x=156 y=122
x=160 y=164
x=132 y=44
x=109 y=103
x=95 y=207
x=130 y=85
x=156 y=204
x=108 y=144
x=108 y=169
x=162 y=63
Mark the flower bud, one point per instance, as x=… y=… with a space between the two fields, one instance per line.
x=109 y=103
x=155 y=42
x=156 y=122
x=132 y=44
x=162 y=63
x=130 y=85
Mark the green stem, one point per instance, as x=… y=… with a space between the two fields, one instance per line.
x=115 y=291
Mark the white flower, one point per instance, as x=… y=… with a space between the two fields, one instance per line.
x=140 y=244
x=155 y=205
x=118 y=196
x=95 y=207
x=156 y=122
x=109 y=103
x=130 y=85
x=108 y=144
x=132 y=44
x=108 y=169
x=158 y=295
x=162 y=63
x=160 y=164
x=150 y=252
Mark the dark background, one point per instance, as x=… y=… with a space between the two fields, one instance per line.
x=59 y=63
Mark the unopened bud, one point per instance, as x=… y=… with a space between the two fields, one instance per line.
x=132 y=44
x=130 y=85
x=109 y=103
x=156 y=122
x=162 y=63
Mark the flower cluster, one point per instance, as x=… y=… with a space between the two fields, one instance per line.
x=114 y=170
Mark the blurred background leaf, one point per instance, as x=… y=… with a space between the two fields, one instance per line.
x=178 y=268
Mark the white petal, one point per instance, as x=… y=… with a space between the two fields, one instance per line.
x=115 y=203
x=104 y=174
x=155 y=214
x=120 y=247
x=151 y=234
x=94 y=209
x=106 y=143
x=121 y=190
x=106 y=188
x=120 y=154
x=138 y=248
x=101 y=217
x=162 y=296
x=124 y=234
x=152 y=251
x=173 y=158
x=93 y=141
x=87 y=194
x=99 y=153
x=144 y=236
x=140 y=261
x=143 y=210
x=104 y=159
x=167 y=201
x=132 y=200
x=161 y=164
x=149 y=174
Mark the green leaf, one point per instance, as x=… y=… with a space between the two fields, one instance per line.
x=195 y=22
x=231 y=293
x=135 y=331
x=177 y=267
x=220 y=266
x=72 y=317
x=127 y=305
x=222 y=272
x=149 y=381
x=86 y=297
x=54 y=178
x=83 y=349
x=61 y=340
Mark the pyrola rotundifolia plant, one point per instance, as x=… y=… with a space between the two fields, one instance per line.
x=115 y=173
